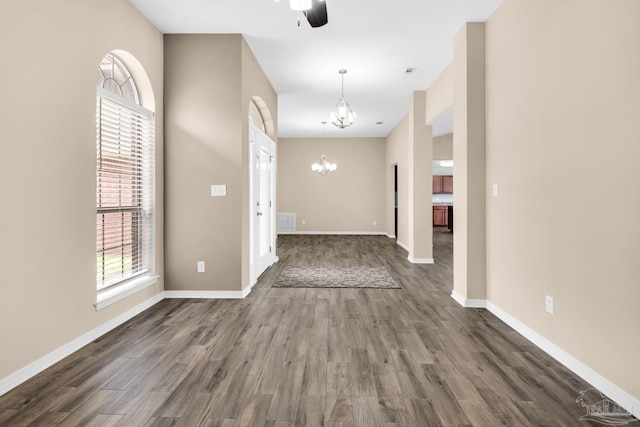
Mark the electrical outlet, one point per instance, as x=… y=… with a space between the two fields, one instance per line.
x=304 y=222
x=495 y=190
x=375 y=222
x=200 y=266
x=549 y=304
x=219 y=190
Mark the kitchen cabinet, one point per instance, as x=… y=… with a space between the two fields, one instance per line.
x=447 y=184
x=437 y=184
x=442 y=184
x=440 y=216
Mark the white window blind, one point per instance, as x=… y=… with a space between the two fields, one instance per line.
x=125 y=156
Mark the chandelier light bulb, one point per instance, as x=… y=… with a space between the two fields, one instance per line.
x=342 y=111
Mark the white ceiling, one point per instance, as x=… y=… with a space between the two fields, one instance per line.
x=375 y=40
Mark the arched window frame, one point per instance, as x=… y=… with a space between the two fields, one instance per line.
x=125 y=185
x=255 y=116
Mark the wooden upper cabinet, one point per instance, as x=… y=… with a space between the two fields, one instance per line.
x=447 y=184
x=442 y=184
x=437 y=184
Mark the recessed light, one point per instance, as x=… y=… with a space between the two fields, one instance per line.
x=410 y=70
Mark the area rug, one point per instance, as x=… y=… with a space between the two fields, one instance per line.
x=335 y=277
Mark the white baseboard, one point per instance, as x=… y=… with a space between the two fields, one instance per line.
x=468 y=303
x=621 y=397
x=57 y=355
x=420 y=260
x=391 y=236
x=13 y=380
x=615 y=393
x=339 y=233
x=208 y=294
x=411 y=258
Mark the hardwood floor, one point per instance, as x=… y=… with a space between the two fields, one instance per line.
x=310 y=357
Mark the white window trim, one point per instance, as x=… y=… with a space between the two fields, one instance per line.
x=124 y=101
x=115 y=293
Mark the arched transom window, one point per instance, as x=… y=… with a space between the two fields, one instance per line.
x=125 y=159
x=256 y=116
x=114 y=77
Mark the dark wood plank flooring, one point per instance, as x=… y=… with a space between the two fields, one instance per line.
x=310 y=357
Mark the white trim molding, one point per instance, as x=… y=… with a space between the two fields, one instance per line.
x=391 y=236
x=20 y=376
x=468 y=303
x=420 y=260
x=605 y=386
x=110 y=296
x=402 y=245
x=46 y=361
x=338 y=233
x=411 y=258
x=208 y=294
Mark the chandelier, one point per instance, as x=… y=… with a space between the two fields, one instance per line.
x=343 y=116
x=324 y=167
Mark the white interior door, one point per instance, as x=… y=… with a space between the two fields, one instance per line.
x=262 y=202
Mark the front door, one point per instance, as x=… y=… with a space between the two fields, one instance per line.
x=262 y=202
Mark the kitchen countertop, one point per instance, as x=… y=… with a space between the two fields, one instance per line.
x=442 y=200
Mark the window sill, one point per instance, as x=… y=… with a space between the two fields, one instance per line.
x=116 y=293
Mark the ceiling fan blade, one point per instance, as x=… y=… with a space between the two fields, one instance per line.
x=317 y=15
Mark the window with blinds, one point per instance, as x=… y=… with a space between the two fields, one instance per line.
x=125 y=156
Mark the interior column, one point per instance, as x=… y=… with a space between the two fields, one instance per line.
x=469 y=181
x=420 y=187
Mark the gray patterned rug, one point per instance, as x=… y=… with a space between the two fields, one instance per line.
x=335 y=277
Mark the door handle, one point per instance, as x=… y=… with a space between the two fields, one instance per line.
x=259 y=213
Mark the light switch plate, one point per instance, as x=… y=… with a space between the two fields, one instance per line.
x=200 y=266
x=218 y=190
x=495 y=190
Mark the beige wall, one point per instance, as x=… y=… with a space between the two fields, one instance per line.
x=209 y=81
x=397 y=153
x=347 y=200
x=51 y=51
x=563 y=88
x=420 y=182
x=443 y=147
x=439 y=94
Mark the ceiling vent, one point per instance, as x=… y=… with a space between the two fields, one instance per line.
x=410 y=70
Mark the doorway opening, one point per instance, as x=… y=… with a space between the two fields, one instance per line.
x=395 y=201
x=262 y=181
